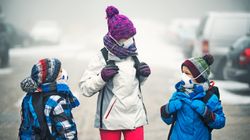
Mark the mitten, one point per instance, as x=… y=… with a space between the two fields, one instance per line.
x=201 y=108
x=143 y=69
x=174 y=105
x=108 y=72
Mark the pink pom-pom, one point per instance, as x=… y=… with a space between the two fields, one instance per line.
x=111 y=11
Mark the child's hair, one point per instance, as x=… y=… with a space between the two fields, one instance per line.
x=199 y=67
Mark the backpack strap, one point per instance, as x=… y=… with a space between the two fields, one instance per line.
x=172 y=125
x=38 y=101
x=209 y=93
x=105 y=56
x=212 y=90
x=136 y=65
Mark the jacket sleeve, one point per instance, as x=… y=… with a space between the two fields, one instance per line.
x=165 y=116
x=25 y=131
x=91 y=81
x=58 y=116
x=219 y=118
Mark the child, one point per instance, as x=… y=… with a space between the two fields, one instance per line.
x=46 y=108
x=194 y=109
x=117 y=74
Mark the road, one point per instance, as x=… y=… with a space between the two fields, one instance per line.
x=165 y=61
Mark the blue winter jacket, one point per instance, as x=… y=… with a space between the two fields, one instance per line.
x=188 y=125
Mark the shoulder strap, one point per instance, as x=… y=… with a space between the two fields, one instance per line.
x=210 y=92
x=38 y=101
x=137 y=62
x=172 y=125
x=105 y=56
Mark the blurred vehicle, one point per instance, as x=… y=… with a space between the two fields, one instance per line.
x=46 y=32
x=238 y=61
x=17 y=37
x=4 y=41
x=4 y=46
x=216 y=33
x=181 y=32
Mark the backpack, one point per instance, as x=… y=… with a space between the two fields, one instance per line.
x=35 y=117
x=213 y=90
x=104 y=52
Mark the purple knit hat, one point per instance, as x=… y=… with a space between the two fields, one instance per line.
x=119 y=26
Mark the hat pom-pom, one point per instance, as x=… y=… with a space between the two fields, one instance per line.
x=209 y=59
x=111 y=11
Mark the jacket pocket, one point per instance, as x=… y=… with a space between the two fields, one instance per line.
x=110 y=109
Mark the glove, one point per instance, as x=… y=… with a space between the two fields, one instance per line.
x=143 y=69
x=174 y=105
x=199 y=107
x=108 y=72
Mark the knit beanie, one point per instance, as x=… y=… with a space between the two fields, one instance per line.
x=119 y=26
x=45 y=71
x=199 y=67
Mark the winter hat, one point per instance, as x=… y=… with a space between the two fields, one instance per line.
x=46 y=70
x=199 y=67
x=119 y=26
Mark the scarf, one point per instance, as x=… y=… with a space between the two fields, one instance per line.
x=119 y=50
x=29 y=85
x=195 y=90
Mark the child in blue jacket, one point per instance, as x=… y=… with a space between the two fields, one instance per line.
x=192 y=117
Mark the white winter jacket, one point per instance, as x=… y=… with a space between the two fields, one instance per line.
x=122 y=105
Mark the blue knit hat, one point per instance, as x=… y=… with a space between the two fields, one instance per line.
x=45 y=71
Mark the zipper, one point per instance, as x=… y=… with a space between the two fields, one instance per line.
x=106 y=117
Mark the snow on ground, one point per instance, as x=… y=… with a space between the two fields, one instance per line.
x=234 y=92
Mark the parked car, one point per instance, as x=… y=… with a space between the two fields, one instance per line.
x=46 y=32
x=238 y=61
x=216 y=33
x=181 y=31
x=17 y=37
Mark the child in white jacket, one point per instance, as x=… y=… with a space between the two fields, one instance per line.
x=117 y=75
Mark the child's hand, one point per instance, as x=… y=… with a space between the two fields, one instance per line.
x=174 y=105
x=199 y=106
x=108 y=72
x=144 y=70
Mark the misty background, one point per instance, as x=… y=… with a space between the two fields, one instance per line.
x=83 y=26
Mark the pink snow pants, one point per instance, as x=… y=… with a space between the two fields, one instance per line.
x=136 y=134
